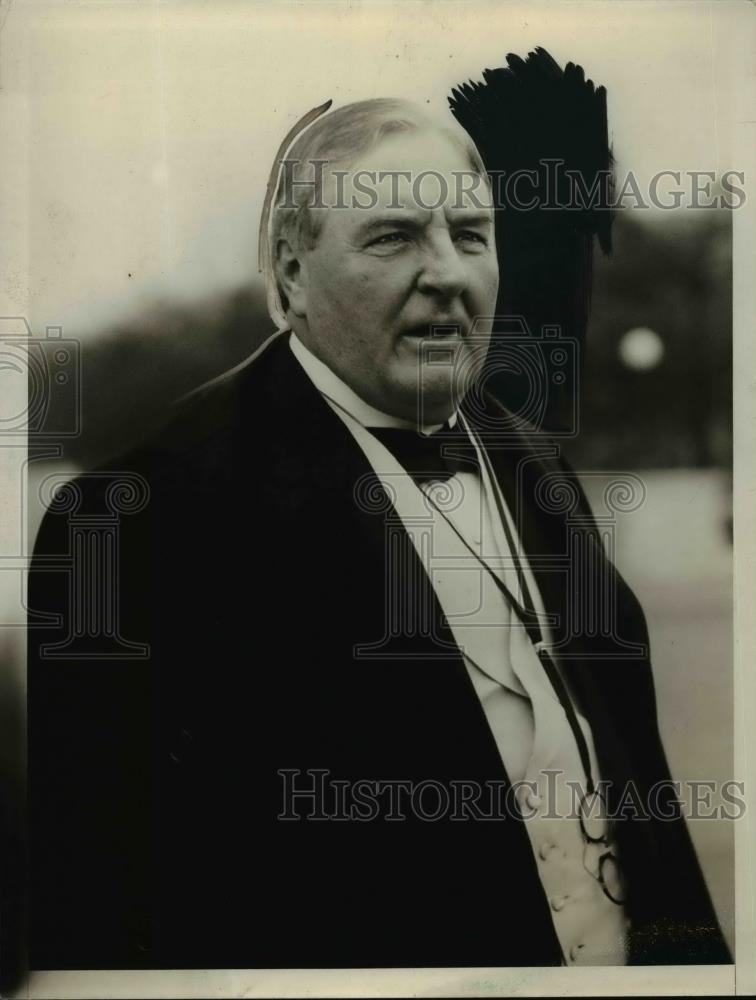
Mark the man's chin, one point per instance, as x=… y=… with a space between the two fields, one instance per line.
x=432 y=410
x=444 y=367
x=427 y=402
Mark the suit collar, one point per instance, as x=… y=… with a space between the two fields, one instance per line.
x=521 y=461
x=309 y=453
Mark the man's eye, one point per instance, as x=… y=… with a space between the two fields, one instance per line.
x=388 y=238
x=470 y=236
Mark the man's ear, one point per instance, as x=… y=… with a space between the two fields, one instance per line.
x=291 y=276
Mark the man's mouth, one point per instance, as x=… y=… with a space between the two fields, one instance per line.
x=435 y=331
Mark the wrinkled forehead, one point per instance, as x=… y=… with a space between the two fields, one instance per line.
x=415 y=172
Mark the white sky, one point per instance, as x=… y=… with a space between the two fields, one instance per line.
x=147 y=130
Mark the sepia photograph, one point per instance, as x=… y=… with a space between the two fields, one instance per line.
x=377 y=498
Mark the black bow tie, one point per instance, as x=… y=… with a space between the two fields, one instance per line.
x=436 y=456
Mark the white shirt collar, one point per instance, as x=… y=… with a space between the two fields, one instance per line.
x=337 y=392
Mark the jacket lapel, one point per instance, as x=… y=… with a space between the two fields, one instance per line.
x=320 y=478
x=539 y=496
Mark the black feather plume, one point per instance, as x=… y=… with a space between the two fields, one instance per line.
x=534 y=116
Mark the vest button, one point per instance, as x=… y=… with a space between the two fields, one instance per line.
x=529 y=796
x=575 y=951
x=545 y=850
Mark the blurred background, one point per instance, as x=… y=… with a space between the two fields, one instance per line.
x=147 y=136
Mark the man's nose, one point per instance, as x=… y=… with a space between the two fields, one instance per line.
x=442 y=273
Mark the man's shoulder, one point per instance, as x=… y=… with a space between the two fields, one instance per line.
x=193 y=453
x=536 y=458
x=504 y=429
x=205 y=425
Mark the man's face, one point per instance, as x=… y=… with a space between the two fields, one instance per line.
x=380 y=278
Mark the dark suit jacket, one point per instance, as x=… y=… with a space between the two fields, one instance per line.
x=252 y=574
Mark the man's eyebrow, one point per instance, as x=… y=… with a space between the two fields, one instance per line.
x=409 y=217
x=416 y=218
x=462 y=217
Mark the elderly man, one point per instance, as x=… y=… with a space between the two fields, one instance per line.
x=367 y=731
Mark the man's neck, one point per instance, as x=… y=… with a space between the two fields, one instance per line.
x=335 y=389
